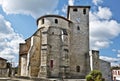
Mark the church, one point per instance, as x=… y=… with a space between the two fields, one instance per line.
x=59 y=48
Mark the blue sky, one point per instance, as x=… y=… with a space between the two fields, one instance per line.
x=18 y=22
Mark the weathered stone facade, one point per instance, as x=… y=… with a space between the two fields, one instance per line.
x=94 y=60
x=97 y=64
x=60 y=47
x=5 y=68
x=3 y=63
x=105 y=68
x=23 y=53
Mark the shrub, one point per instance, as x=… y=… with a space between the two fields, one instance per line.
x=94 y=75
x=89 y=78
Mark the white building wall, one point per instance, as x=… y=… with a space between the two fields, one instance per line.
x=116 y=74
x=23 y=65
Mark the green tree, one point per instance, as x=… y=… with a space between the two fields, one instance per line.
x=94 y=75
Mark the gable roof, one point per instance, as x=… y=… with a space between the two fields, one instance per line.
x=3 y=59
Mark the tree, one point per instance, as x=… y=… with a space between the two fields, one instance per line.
x=94 y=75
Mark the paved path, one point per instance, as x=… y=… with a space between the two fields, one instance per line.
x=25 y=79
x=13 y=79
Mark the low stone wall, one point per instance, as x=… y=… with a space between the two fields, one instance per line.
x=45 y=79
x=4 y=72
x=74 y=80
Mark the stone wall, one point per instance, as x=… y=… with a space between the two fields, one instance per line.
x=4 y=72
x=50 y=21
x=23 y=51
x=23 y=65
x=60 y=48
x=94 y=60
x=52 y=43
x=3 y=63
x=97 y=64
x=34 y=65
x=79 y=42
x=5 y=68
x=105 y=68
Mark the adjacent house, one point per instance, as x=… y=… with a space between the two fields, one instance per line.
x=5 y=68
x=116 y=73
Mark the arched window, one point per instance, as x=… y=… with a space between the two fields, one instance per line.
x=42 y=21
x=78 y=28
x=56 y=21
x=77 y=68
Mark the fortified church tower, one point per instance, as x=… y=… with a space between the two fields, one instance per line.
x=65 y=44
x=60 y=46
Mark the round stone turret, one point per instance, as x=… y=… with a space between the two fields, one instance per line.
x=53 y=20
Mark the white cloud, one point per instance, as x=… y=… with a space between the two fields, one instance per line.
x=102 y=28
x=1 y=1
x=64 y=9
x=9 y=40
x=102 y=44
x=34 y=8
x=118 y=51
x=96 y=2
x=71 y=2
x=104 y=13
x=114 y=50
x=118 y=55
x=114 y=61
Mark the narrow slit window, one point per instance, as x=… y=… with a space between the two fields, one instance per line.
x=77 y=68
x=75 y=10
x=42 y=21
x=66 y=50
x=84 y=11
x=78 y=28
x=53 y=33
x=50 y=46
x=56 y=21
x=51 y=63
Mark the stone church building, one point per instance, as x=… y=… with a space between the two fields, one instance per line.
x=59 y=48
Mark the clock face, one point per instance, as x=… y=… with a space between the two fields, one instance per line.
x=78 y=19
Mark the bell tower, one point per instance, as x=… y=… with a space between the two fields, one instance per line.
x=79 y=44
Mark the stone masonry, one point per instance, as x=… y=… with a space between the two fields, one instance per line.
x=59 y=48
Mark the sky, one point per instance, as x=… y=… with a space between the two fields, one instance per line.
x=18 y=22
